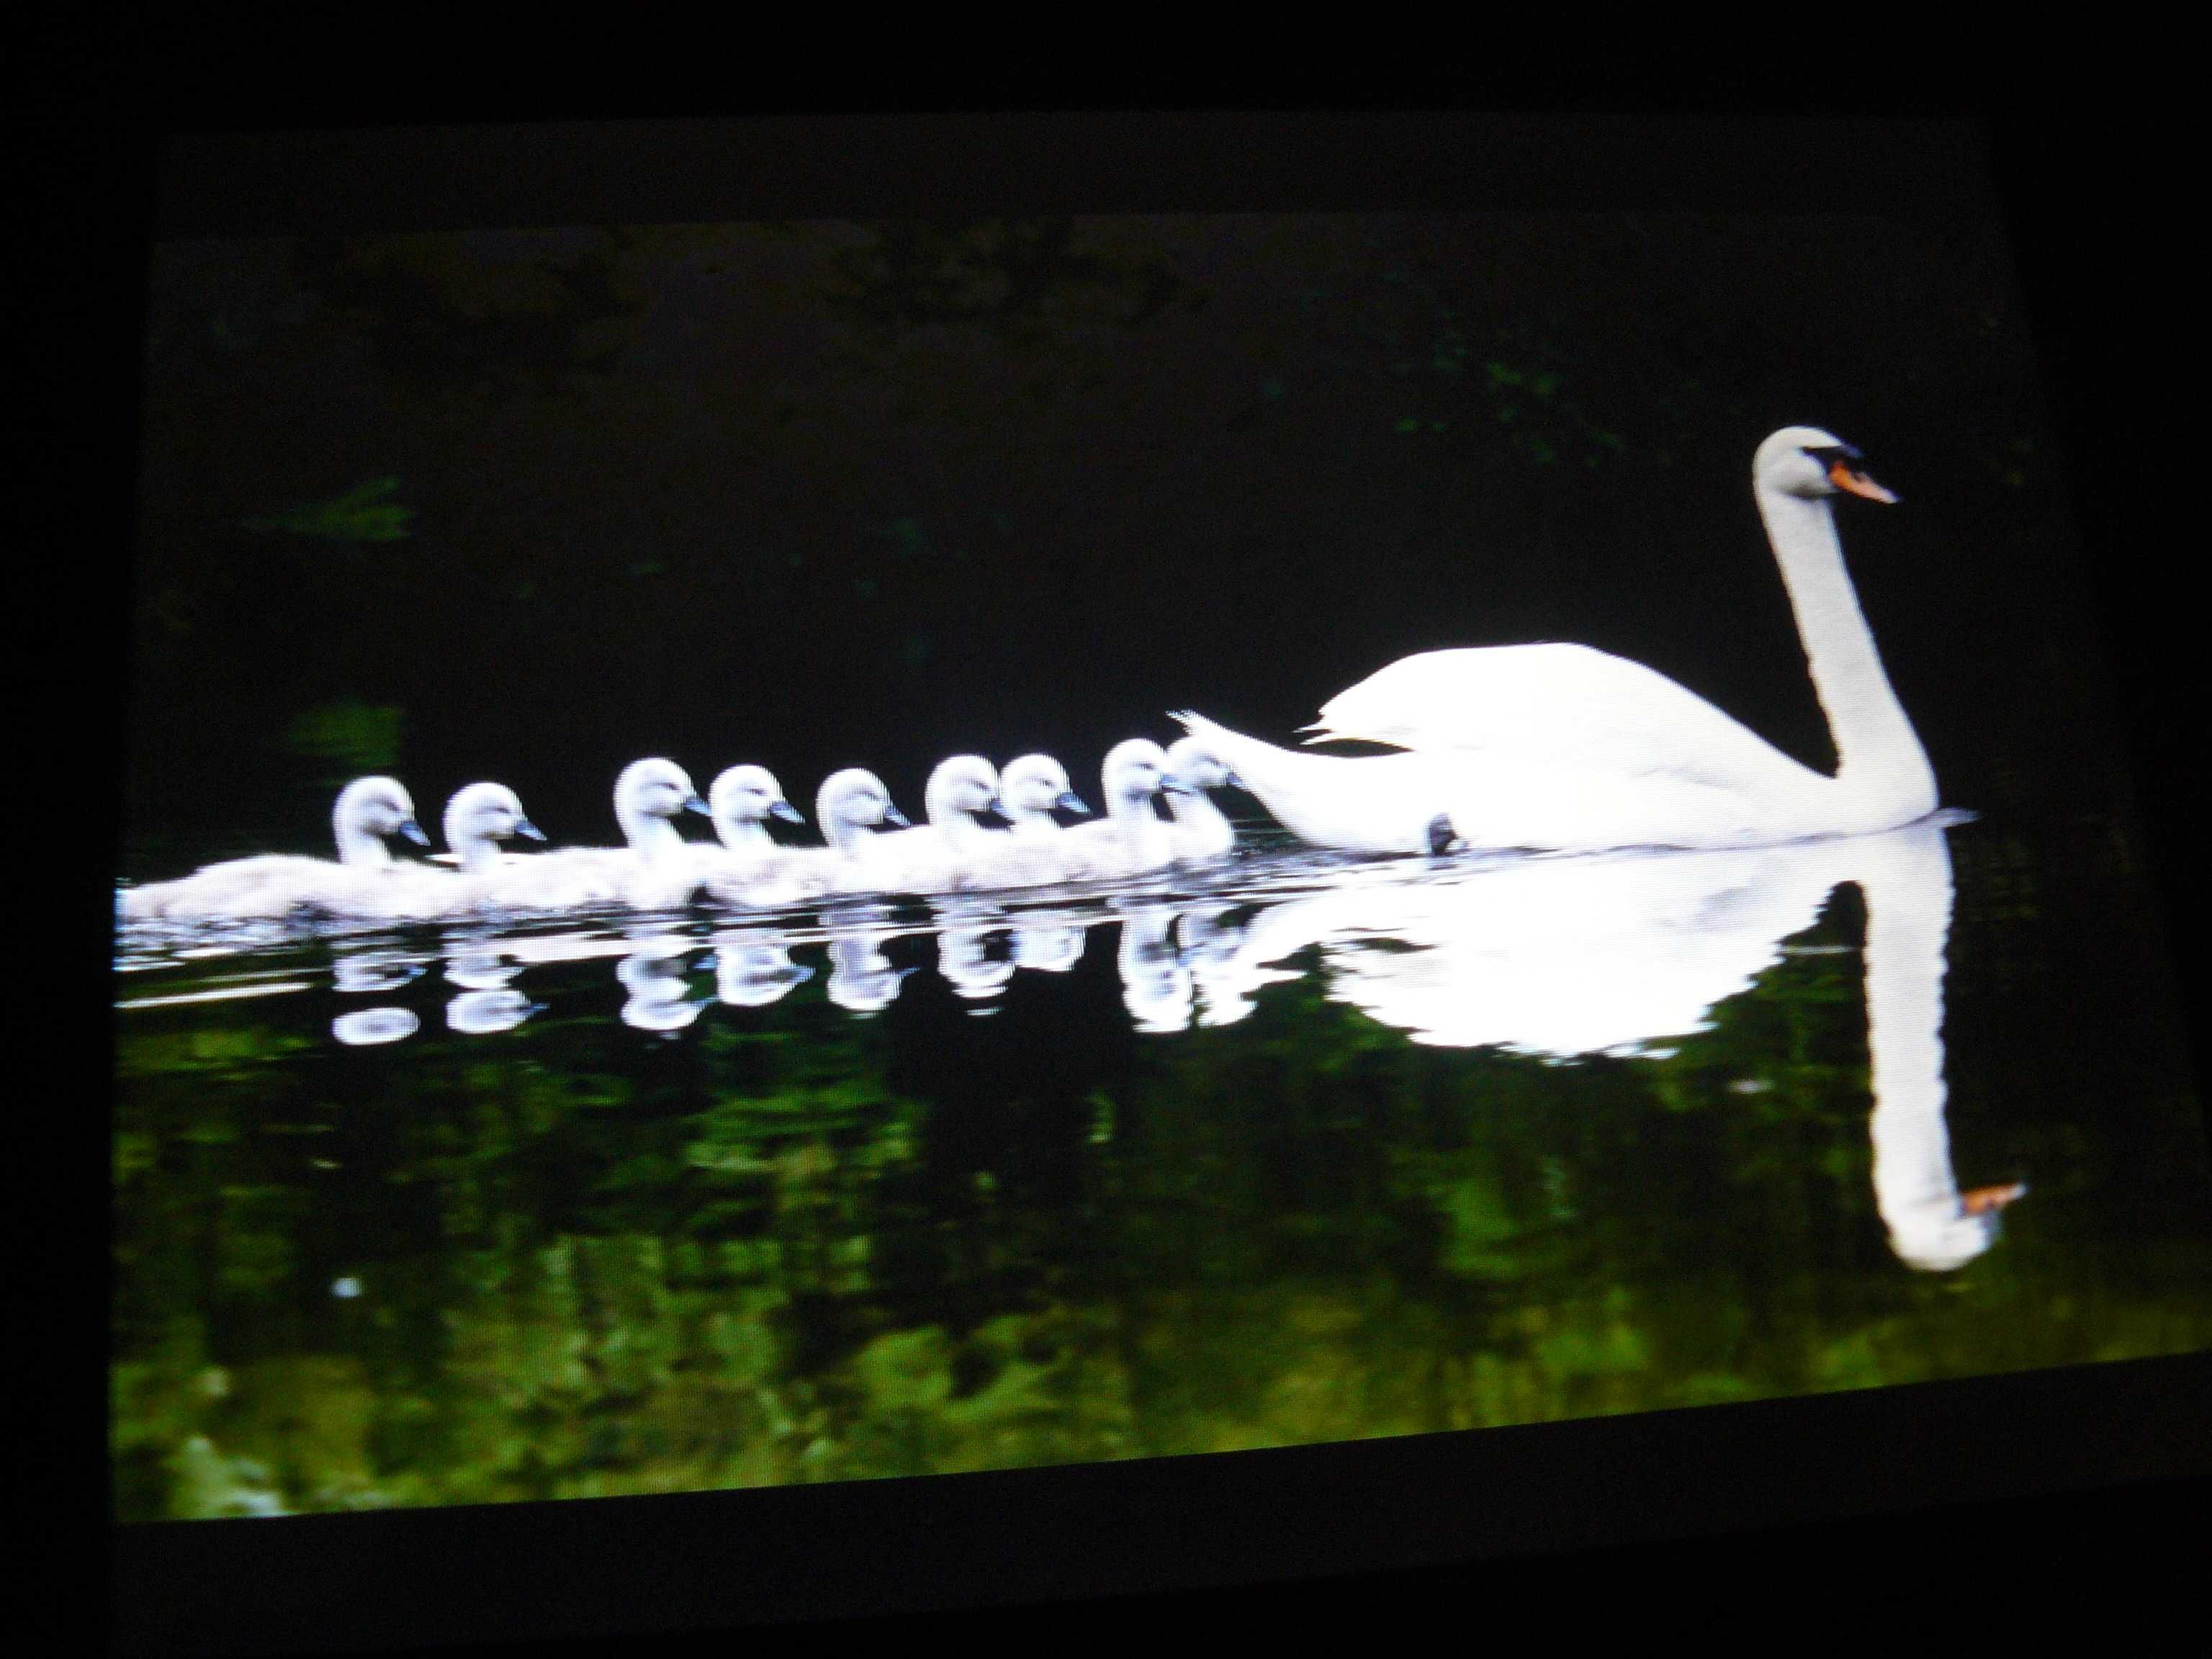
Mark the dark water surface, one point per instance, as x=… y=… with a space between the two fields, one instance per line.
x=1301 y=1151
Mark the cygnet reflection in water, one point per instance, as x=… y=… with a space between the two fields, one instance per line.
x=366 y=1027
x=862 y=979
x=1049 y=945
x=656 y=974
x=966 y=932
x=1156 y=985
x=481 y=1013
x=753 y=967
x=362 y=970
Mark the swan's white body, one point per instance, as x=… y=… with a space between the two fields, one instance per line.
x=364 y=883
x=1562 y=746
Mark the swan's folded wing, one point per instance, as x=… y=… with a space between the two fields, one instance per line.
x=1559 y=703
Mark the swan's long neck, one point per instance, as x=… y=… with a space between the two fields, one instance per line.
x=360 y=847
x=1878 y=754
x=648 y=835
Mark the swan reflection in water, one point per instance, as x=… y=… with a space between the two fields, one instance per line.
x=1551 y=957
x=1562 y=958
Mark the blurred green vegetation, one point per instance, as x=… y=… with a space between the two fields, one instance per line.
x=797 y=1247
x=362 y=514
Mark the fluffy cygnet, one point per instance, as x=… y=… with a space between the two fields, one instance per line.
x=278 y=886
x=1200 y=831
x=1131 y=840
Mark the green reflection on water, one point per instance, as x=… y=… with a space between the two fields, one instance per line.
x=788 y=1245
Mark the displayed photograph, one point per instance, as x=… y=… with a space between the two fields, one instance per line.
x=773 y=853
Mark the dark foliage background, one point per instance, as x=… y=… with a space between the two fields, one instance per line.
x=530 y=504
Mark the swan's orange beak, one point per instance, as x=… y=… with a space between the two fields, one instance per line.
x=1985 y=1199
x=1858 y=483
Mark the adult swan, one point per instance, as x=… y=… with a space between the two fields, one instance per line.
x=1562 y=746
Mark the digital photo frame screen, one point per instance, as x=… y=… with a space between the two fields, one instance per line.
x=767 y=848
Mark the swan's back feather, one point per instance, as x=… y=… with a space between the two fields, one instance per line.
x=1559 y=702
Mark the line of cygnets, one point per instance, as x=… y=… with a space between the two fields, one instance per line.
x=870 y=849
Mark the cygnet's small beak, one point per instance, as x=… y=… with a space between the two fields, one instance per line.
x=1233 y=781
x=787 y=812
x=693 y=804
x=525 y=827
x=1069 y=801
x=1175 y=785
x=993 y=808
x=892 y=815
x=413 y=831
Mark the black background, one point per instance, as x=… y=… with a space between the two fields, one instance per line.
x=2092 y=171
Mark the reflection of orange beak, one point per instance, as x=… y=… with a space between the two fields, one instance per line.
x=1984 y=1200
x=1858 y=482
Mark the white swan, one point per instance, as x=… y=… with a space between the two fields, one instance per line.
x=655 y=871
x=1200 y=831
x=275 y=886
x=1132 y=840
x=1561 y=746
x=944 y=854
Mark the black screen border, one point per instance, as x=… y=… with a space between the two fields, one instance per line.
x=587 y=1568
